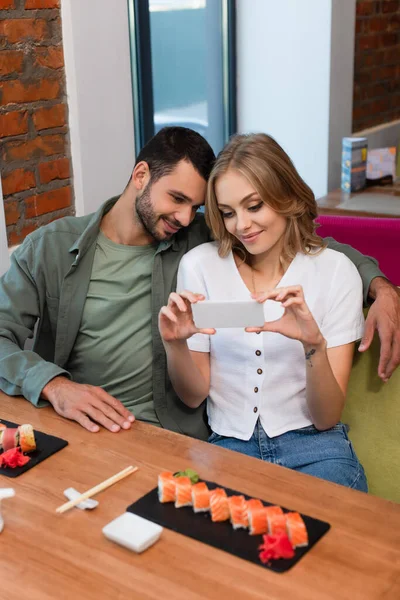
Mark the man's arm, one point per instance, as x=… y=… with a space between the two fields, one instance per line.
x=384 y=316
x=366 y=265
x=384 y=313
x=22 y=372
x=25 y=373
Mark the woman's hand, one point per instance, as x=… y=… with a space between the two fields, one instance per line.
x=297 y=321
x=175 y=321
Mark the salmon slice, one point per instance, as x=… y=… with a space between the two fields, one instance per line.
x=257 y=517
x=296 y=529
x=183 y=492
x=238 y=510
x=219 y=505
x=166 y=487
x=200 y=497
x=276 y=520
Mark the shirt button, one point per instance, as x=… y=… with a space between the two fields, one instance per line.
x=258 y=352
x=259 y=371
x=258 y=332
x=255 y=390
x=255 y=409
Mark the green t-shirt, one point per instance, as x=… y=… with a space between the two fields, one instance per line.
x=113 y=348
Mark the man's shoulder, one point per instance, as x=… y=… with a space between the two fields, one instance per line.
x=202 y=254
x=66 y=227
x=331 y=265
x=196 y=233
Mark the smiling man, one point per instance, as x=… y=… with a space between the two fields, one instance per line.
x=94 y=286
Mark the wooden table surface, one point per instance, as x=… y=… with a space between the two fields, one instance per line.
x=46 y=556
x=384 y=202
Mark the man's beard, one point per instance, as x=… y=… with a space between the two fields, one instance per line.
x=148 y=218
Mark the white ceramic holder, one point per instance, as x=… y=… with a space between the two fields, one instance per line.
x=4 y=493
x=72 y=493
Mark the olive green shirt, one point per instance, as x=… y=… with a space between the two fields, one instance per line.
x=47 y=285
x=113 y=348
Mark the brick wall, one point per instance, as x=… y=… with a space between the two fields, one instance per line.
x=376 y=97
x=34 y=144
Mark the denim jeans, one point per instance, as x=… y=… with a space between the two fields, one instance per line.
x=326 y=454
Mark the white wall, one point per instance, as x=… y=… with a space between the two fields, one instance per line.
x=295 y=81
x=4 y=255
x=97 y=65
x=343 y=26
x=288 y=56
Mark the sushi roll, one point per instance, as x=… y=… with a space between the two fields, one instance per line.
x=27 y=438
x=257 y=517
x=12 y=437
x=183 y=492
x=9 y=438
x=276 y=520
x=200 y=497
x=296 y=530
x=219 y=505
x=238 y=511
x=166 y=487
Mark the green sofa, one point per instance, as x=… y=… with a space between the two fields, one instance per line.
x=372 y=412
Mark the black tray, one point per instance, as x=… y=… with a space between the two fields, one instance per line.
x=46 y=445
x=221 y=535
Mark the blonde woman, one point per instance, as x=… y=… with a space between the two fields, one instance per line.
x=276 y=392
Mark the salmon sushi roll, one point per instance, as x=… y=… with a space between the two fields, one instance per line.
x=200 y=497
x=219 y=507
x=166 y=487
x=257 y=517
x=238 y=511
x=183 y=492
x=296 y=530
x=276 y=520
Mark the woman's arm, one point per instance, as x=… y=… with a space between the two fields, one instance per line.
x=189 y=371
x=327 y=377
x=327 y=370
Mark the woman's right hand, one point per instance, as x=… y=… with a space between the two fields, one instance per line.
x=175 y=321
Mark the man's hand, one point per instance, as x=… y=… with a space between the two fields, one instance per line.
x=90 y=406
x=384 y=316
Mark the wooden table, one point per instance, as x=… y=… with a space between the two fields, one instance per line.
x=376 y=201
x=45 y=556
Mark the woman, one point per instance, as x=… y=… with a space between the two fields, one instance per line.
x=277 y=395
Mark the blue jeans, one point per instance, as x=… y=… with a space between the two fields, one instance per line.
x=326 y=454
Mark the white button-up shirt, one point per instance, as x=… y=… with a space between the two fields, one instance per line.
x=264 y=375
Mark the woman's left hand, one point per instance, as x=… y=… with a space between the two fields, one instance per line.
x=297 y=322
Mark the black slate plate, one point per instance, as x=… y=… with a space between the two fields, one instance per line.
x=46 y=445
x=221 y=535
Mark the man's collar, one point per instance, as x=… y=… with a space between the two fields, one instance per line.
x=89 y=235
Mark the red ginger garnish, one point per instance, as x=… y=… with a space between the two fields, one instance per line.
x=13 y=458
x=275 y=546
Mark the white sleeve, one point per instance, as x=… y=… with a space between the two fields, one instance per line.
x=191 y=279
x=344 y=320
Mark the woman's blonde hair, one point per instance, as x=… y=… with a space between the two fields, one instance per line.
x=263 y=162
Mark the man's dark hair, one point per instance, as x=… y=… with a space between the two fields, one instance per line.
x=171 y=145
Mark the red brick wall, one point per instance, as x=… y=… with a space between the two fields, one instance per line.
x=34 y=144
x=376 y=97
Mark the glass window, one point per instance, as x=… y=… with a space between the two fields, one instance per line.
x=183 y=67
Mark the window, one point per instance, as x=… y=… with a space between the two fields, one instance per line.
x=183 y=67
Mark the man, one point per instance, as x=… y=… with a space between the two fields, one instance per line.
x=95 y=284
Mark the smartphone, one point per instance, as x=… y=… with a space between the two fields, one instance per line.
x=214 y=315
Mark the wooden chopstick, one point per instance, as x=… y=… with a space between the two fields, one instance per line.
x=97 y=488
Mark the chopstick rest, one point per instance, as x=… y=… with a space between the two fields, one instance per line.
x=97 y=488
x=71 y=493
x=132 y=532
x=4 y=493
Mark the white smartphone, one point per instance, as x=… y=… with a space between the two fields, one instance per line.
x=214 y=315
